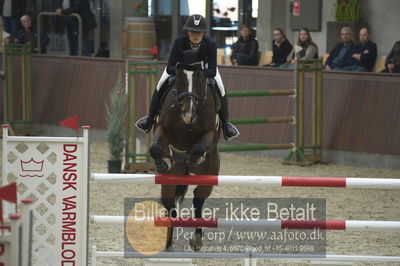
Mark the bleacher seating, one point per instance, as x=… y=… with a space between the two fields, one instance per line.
x=379 y=64
x=220 y=56
x=265 y=58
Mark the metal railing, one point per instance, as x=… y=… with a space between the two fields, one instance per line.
x=47 y=13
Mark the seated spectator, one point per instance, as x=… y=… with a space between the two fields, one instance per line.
x=281 y=48
x=363 y=55
x=304 y=49
x=342 y=51
x=245 y=50
x=392 y=63
x=29 y=35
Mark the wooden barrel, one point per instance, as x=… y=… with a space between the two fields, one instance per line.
x=138 y=37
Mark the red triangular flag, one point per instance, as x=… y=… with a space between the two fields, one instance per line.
x=9 y=192
x=71 y=122
x=154 y=50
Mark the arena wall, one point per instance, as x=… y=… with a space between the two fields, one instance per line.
x=360 y=110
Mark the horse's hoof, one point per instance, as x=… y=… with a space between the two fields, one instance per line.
x=169 y=248
x=189 y=166
x=163 y=165
x=196 y=243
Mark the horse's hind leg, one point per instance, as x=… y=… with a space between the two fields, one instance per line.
x=159 y=151
x=201 y=193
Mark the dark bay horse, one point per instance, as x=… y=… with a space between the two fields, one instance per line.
x=185 y=140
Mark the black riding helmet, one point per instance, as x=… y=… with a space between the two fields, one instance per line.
x=195 y=23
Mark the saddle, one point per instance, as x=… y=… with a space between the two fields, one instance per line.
x=215 y=90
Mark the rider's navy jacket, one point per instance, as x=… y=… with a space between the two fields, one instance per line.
x=207 y=53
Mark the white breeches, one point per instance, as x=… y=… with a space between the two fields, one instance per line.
x=217 y=78
x=163 y=78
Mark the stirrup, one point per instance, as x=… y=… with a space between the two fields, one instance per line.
x=144 y=124
x=230 y=131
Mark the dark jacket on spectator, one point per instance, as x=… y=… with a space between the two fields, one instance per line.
x=246 y=50
x=367 y=59
x=394 y=56
x=81 y=7
x=17 y=8
x=335 y=53
x=207 y=53
x=31 y=37
x=281 y=52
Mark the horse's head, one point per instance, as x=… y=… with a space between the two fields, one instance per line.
x=191 y=86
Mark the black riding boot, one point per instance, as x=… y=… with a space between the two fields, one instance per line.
x=145 y=123
x=229 y=130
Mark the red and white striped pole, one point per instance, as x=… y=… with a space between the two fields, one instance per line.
x=234 y=180
x=265 y=224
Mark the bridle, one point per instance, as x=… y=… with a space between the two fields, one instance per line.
x=189 y=95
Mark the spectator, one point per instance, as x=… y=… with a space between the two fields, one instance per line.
x=392 y=63
x=281 y=48
x=304 y=49
x=11 y=12
x=245 y=50
x=342 y=51
x=82 y=7
x=29 y=35
x=363 y=55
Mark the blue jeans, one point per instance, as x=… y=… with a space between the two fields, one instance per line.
x=12 y=25
x=355 y=68
x=287 y=66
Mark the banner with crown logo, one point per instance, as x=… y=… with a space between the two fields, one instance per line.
x=53 y=172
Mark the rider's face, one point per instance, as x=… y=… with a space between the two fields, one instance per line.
x=196 y=36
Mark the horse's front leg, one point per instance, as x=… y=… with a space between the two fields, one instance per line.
x=159 y=151
x=199 y=150
x=200 y=195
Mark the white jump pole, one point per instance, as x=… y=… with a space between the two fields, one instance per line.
x=115 y=254
x=342 y=225
x=232 y=180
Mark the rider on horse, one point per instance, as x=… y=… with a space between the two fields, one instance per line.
x=194 y=39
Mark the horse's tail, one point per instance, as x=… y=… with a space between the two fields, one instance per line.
x=180 y=192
